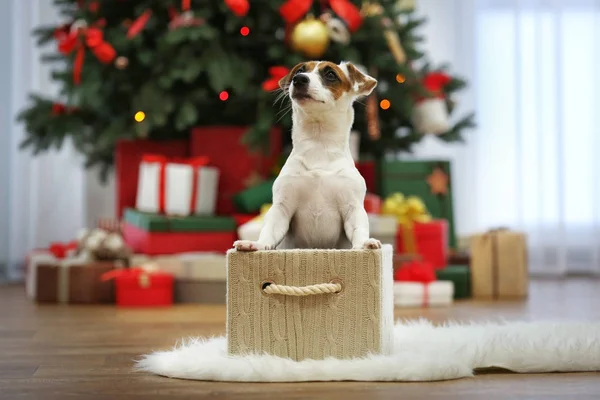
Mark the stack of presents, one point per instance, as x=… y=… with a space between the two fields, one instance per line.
x=181 y=205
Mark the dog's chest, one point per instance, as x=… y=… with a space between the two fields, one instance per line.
x=318 y=218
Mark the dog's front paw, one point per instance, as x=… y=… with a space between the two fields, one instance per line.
x=249 y=245
x=371 y=244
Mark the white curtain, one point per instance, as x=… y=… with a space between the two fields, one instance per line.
x=42 y=199
x=532 y=163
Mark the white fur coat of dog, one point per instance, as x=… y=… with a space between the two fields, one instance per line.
x=422 y=352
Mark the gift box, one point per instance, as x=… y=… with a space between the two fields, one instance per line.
x=156 y=234
x=368 y=171
x=383 y=228
x=176 y=187
x=74 y=280
x=199 y=277
x=239 y=168
x=251 y=229
x=499 y=265
x=372 y=203
x=128 y=156
x=418 y=233
x=138 y=287
x=251 y=199
x=416 y=294
x=428 y=180
x=460 y=276
x=310 y=304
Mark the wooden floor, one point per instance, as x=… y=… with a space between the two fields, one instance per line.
x=53 y=352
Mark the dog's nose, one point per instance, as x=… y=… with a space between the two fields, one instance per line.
x=300 y=80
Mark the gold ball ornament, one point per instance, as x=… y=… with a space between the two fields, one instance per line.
x=310 y=37
x=121 y=62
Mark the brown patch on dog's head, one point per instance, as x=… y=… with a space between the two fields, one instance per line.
x=302 y=67
x=334 y=79
x=361 y=83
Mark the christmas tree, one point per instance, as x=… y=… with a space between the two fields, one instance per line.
x=156 y=68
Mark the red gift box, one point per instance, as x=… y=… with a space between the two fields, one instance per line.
x=157 y=243
x=368 y=171
x=237 y=165
x=431 y=239
x=137 y=287
x=128 y=156
x=372 y=203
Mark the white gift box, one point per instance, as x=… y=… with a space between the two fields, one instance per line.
x=431 y=116
x=250 y=230
x=201 y=266
x=189 y=188
x=417 y=294
x=384 y=228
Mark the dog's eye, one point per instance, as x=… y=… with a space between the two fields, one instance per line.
x=330 y=76
x=299 y=70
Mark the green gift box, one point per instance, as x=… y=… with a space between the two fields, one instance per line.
x=252 y=199
x=429 y=180
x=151 y=222
x=460 y=275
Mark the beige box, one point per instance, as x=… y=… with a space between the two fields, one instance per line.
x=499 y=265
x=288 y=303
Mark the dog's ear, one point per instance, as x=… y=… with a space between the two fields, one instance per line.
x=284 y=82
x=362 y=84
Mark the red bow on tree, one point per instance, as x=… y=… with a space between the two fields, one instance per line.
x=293 y=10
x=61 y=109
x=277 y=73
x=78 y=39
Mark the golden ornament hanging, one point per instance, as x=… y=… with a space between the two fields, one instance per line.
x=393 y=41
x=405 y=5
x=310 y=37
x=371 y=9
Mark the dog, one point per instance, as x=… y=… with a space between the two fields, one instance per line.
x=318 y=197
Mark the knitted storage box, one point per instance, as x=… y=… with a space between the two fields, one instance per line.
x=270 y=310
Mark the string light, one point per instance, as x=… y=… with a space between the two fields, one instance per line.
x=245 y=31
x=385 y=104
x=139 y=116
x=400 y=78
x=223 y=95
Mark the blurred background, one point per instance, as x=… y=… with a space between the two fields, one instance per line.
x=524 y=160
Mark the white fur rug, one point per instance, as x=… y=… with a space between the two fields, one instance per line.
x=423 y=352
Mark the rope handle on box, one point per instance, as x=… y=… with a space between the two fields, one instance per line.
x=335 y=286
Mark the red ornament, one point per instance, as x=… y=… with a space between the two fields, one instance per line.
x=293 y=10
x=238 y=7
x=277 y=73
x=223 y=95
x=245 y=31
x=138 y=25
x=435 y=82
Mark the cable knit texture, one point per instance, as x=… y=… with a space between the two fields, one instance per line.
x=353 y=323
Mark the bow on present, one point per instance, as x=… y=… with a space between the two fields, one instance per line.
x=80 y=38
x=195 y=163
x=293 y=10
x=408 y=211
x=61 y=250
x=277 y=73
x=142 y=274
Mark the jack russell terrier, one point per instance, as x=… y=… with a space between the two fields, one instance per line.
x=318 y=197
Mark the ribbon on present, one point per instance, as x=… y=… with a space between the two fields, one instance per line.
x=195 y=163
x=420 y=272
x=61 y=250
x=78 y=39
x=293 y=10
x=491 y=234
x=408 y=211
x=141 y=273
